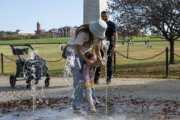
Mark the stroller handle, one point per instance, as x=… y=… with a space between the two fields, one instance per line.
x=29 y=45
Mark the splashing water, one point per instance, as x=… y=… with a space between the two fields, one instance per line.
x=70 y=62
x=33 y=54
x=27 y=68
x=105 y=47
x=30 y=71
x=33 y=88
x=42 y=88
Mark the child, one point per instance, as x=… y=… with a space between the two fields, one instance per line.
x=89 y=82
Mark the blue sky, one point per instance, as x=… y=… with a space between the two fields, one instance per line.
x=24 y=14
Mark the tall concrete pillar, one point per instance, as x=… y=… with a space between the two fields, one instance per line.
x=93 y=9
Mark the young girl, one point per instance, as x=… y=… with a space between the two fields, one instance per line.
x=89 y=82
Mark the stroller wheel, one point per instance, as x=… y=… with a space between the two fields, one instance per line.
x=28 y=83
x=47 y=80
x=12 y=80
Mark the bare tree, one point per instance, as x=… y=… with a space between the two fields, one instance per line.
x=164 y=15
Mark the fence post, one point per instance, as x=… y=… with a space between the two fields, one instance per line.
x=128 y=49
x=2 y=65
x=167 y=62
x=122 y=42
x=114 y=62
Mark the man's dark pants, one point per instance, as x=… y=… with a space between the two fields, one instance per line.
x=109 y=69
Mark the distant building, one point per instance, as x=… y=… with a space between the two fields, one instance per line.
x=39 y=30
x=66 y=31
x=22 y=32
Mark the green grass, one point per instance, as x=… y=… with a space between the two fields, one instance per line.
x=49 y=40
x=124 y=67
x=58 y=40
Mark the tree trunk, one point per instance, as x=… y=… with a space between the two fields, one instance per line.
x=171 y=51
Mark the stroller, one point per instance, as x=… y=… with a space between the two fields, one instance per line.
x=29 y=69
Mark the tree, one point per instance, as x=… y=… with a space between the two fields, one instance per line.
x=164 y=15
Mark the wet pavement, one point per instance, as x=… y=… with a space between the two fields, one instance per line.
x=124 y=108
x=126 y=99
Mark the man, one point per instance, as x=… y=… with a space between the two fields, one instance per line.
x=111 y=35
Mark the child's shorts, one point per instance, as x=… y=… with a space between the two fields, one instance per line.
x=89 y=85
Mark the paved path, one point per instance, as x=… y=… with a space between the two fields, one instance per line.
x=135 y=87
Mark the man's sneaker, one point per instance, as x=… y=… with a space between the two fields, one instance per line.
x=108 y=81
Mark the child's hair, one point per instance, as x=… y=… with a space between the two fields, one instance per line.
x=89 y=54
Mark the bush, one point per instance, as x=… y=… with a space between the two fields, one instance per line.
x=23 y=37
x=45 y=35
x=12 y=37
x=35 y=37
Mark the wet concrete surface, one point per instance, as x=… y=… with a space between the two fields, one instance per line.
x=126 y=98
x=124 y=108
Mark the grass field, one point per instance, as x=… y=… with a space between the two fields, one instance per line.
x=124 y=67
x=58 y=40
x=48 y=40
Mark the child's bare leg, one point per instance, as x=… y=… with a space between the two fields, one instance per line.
x=90 y=99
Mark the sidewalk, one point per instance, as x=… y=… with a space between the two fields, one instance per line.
x=167 y=89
